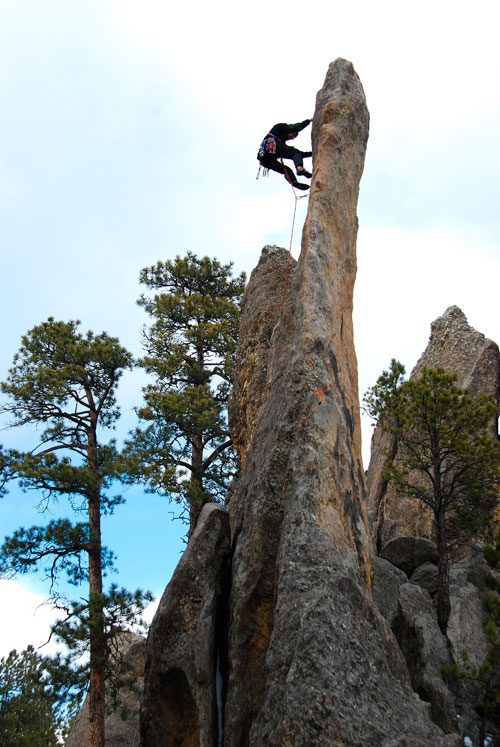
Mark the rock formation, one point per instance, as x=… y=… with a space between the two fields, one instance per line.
x=260 y=312
x=425 y=650
x=310 y=659
x=184 y=658
x=460 y=349
x=410 y=611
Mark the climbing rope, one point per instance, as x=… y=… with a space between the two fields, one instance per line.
x=297 y=198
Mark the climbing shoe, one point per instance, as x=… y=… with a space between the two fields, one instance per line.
x=299 y=185
x=303 y=172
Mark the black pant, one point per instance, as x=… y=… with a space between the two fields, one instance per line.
x=270 y=160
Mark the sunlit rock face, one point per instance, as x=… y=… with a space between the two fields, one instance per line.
x=460 y=349
x=311 y=661
x=288 y=649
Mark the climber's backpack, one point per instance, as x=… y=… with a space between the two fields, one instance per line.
x=268 y=145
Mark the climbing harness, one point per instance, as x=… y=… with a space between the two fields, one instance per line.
x=265 y=172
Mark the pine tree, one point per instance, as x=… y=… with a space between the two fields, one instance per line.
x=184 y=450
x=35 y=694
x=66 y=382
x=446 y=456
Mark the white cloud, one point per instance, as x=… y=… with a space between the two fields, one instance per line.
x=406 y=279
x=25 y=619
x=150 y=610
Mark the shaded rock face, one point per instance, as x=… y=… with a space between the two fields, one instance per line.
x=409 y=609
x=425 y=650
x=460 y=349
x=465 y=626
x=119 y=732
x=184 y=652
x=260 y=312
x=387 y=580
x=427 y=577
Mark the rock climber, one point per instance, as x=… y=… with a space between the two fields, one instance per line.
x=274 y=146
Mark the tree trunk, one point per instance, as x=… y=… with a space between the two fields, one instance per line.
x=196 y=502
x=96 y=615
x=443 y=598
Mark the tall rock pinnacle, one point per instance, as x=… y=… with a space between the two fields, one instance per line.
x=310 y=659
x=279 y=643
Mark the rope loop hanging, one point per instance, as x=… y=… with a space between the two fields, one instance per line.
x=296 y=199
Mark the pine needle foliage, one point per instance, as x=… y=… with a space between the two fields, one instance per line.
x=37 y=695
x=183 y=448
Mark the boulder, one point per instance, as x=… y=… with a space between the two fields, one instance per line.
x=386 y=582
x=425 y=650
x=426 y=576
x=408 y=553
x=185 y=653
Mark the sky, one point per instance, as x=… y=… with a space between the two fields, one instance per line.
x=128 y=135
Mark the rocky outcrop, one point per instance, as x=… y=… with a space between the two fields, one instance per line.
x=465 y=626
x=408 y=553
x=122 y=718
x=460 y=349
x=409 y=609
x=387 y=580
x=184 y=656
x=311 y=661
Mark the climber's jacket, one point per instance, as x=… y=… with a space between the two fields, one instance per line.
x=278 y=135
